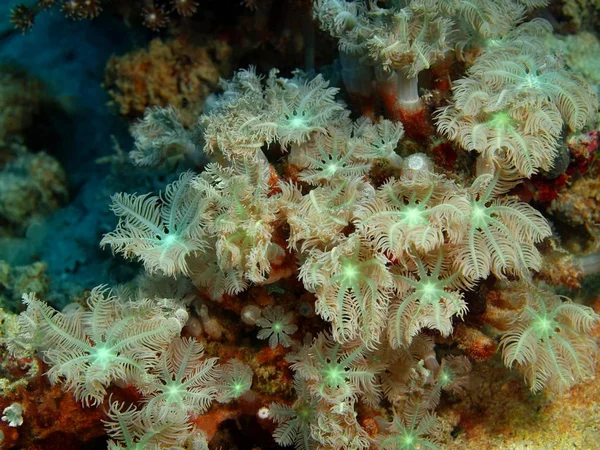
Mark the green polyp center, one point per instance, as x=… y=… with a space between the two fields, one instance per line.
x=543 y=325
x=331 y=168
x=238 y=388
x=173 y=392
x=297 y=121
x=304 y=413
x=478 y=216
x=170 y=240
x=333 y=376
x=428 y=288
x=408 y=440
x=102 y=355
x=350 y=271
x=445 y=378
x=531 y=81
x=501 y=121
x=413 y=216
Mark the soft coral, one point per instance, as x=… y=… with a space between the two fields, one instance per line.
x=88 y=350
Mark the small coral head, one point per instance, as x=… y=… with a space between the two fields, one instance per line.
x=185 y=8
x=22 y=18
x=154 y=17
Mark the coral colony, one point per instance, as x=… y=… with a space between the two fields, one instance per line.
x=351 y=256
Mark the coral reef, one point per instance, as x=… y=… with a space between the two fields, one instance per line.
x=379 y=272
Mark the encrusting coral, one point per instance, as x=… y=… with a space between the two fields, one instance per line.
x=292 y=204
x=32 y=185
x=145 y=78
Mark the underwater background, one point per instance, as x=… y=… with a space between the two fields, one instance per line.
x=328 y=224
